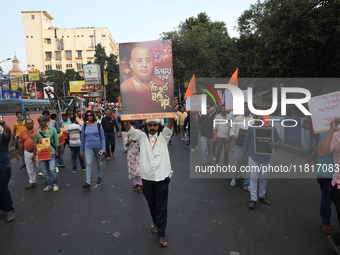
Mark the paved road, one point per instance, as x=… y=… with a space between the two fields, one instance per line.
x=206 y=216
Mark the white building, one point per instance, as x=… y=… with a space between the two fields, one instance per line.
x=48 y=47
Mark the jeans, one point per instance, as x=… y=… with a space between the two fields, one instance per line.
x=75 y=152
x=237 y=162
x=207 y=147
x=89 y=154
x=222 y=144
x=110 y=140
x=49 y=171
x=5 y=195
x=256 y=175
x=60 y=160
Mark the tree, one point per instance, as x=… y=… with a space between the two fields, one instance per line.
x=113 y=89
x=295 y=38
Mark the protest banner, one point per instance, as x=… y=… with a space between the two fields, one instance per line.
x=324 y=109
x=146 y=76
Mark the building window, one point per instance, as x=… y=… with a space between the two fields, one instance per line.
x=58 y=66
x=57 y=54
x=103 y=35
x=79 y=53
x=48 y=67
x=68 y=66
x=48 y=54
x=27 y=36
x=32 y=17
x=31 y=36
x=79 y=66
x=68 y=54
x=48 y=40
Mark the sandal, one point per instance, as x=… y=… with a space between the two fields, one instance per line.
x=162 y=243
x=154 y=229
x=327 y=229
x=10 y=216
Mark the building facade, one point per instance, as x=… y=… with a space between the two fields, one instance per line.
x=51 y=48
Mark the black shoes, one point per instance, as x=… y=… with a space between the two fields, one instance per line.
x=86 y=186
x=264 y=201
x=252 y=205
x=99 y=180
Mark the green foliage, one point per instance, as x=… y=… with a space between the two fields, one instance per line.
x=109 y=64
x=201 y=47
x=296 y=38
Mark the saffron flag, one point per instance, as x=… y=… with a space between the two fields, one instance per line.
x=119 y=102
x=191 y=87
x=234 y=78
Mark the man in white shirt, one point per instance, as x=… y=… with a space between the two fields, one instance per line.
x=155 y=170
x=221 y=135
x=237 y=135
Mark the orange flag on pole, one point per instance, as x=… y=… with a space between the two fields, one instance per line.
x=119 y=102
x=191 y=87
x=234 y=78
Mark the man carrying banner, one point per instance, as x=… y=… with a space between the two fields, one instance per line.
x=155 y=170
x=46 y=146
x=257 y=160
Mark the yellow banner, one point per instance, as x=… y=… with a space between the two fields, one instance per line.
x=80 y=86
x=33 y=75
x=106 y=78
x=14 y=86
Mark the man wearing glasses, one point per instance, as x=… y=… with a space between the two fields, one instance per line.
x=155 y=170
x=27 y=143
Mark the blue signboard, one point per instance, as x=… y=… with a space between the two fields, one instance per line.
x=10 y=94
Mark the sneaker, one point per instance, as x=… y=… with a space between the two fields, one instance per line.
x=40 y=174
x=55 y=187
x=182 y=139
x=246 y=188
x=83 y=169
x=31 y=185
x=135 y=188
x=74 y=171
x=61 y=166
x=108 y=158
x=192 y=150
x=99 y=180
x=23 y=167
x=334 y=244
x=233 y=182
x=86 y=186
x=113 y=154
x=252 y=205
x=48 y=188
x=264 y=201
x=57 y=169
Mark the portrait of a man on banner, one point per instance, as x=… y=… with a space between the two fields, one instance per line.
x=146 y=76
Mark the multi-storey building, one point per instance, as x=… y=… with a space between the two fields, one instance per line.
x=48 y=47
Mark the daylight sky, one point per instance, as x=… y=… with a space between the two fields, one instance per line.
x=127 y=21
